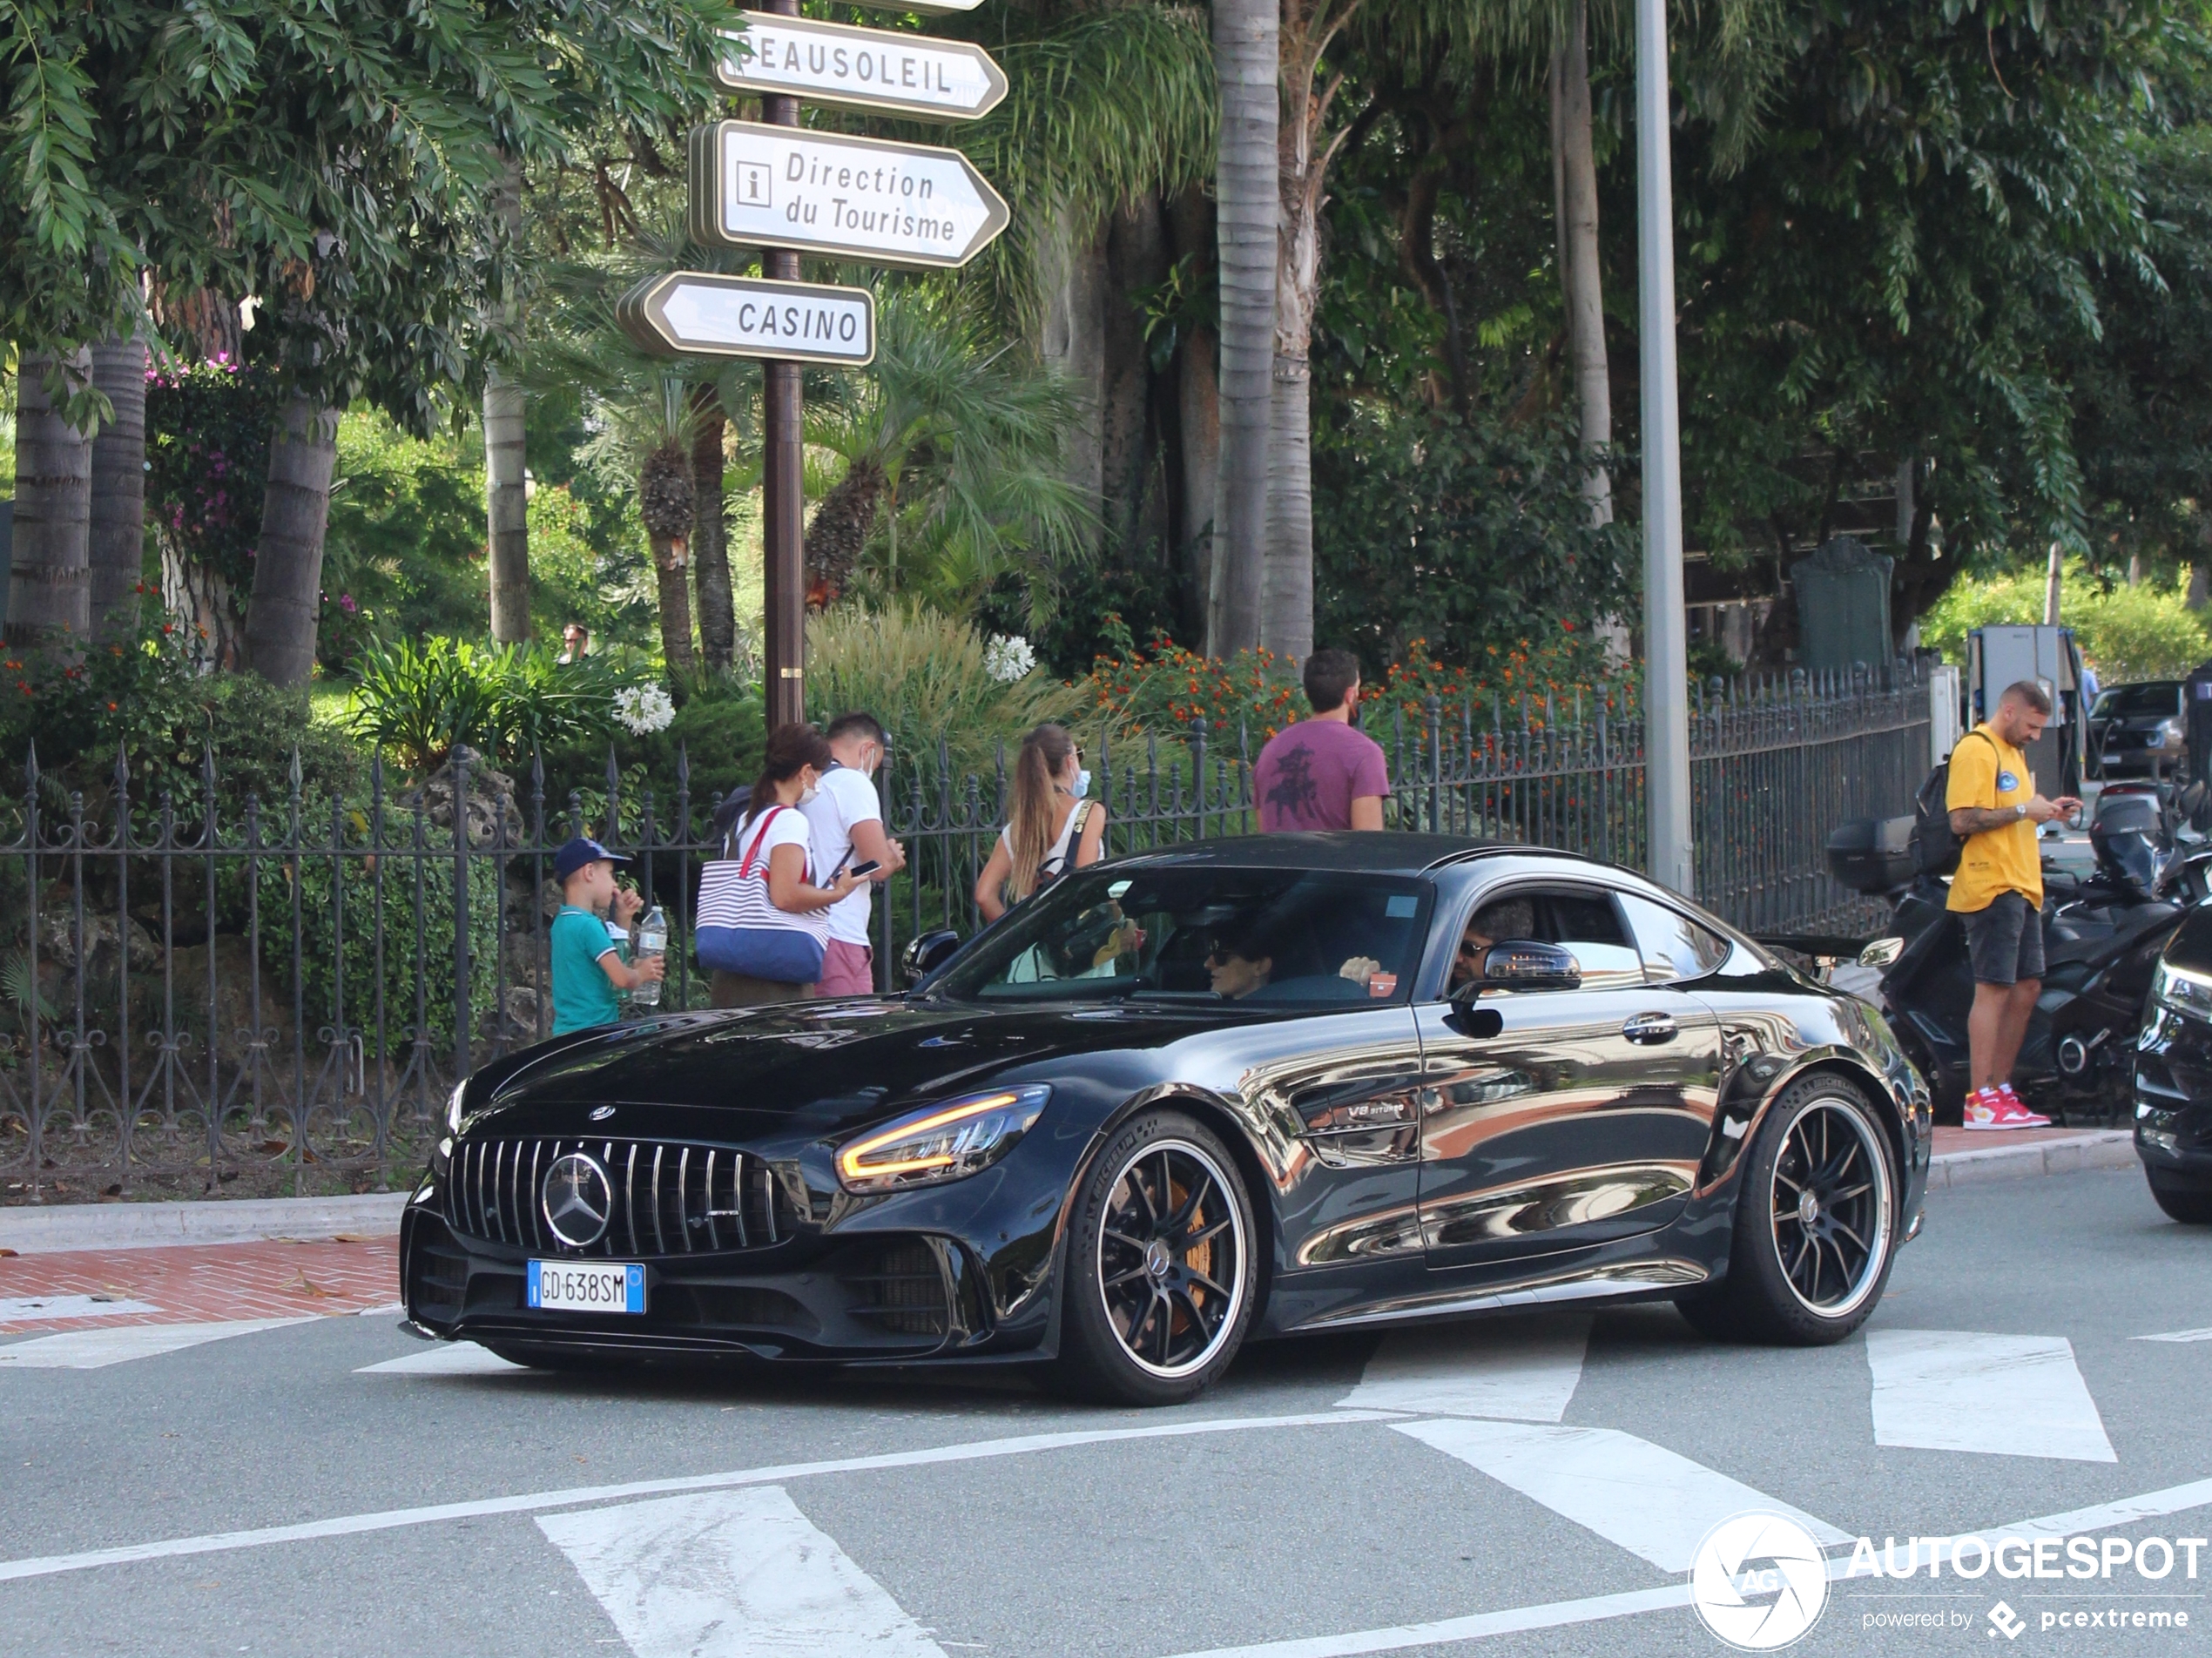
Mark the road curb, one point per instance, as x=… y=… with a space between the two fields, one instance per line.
x=2101 y=1148
x=148 y=1226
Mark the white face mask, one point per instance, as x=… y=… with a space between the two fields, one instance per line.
x=807 y=794
x=1083 y=784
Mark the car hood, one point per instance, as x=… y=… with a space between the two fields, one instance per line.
x=818 y=1067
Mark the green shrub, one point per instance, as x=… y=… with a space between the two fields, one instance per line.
x=147 y=698
x=927 y=677
x=418 y=702
x=720 y=730
x=358 y=875
x=2145 y=632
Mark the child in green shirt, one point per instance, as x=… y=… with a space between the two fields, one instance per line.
x=587 y=966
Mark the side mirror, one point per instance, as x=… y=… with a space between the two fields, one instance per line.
x=1526 y=964
x=925 y=954
x=1881 y=952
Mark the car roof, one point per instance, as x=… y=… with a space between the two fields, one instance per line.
x=1368 y=851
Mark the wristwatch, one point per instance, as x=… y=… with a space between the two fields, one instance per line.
x=2020 y=809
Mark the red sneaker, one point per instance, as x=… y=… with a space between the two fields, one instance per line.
x=2015 y=1115
x=1982 y=1106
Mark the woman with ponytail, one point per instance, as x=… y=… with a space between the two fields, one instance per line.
x=1051 y=826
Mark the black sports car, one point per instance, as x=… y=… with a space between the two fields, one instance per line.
x=1247 y=1088
x=2174 y=1075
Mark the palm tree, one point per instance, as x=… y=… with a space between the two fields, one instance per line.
x=951 y=448
x=506 y=497
x=1248 y=189
x=49 y=591
x=116 y=547
x=287 y=560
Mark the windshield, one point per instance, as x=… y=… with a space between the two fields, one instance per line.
x=1205 y=936
x=2160 y=697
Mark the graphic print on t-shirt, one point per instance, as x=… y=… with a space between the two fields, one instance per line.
x=1294 y=794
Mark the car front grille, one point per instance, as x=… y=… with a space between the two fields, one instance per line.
x=669 y=1199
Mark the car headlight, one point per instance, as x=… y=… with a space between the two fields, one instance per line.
x=945 y=1142
x=2169 y=731
x=453 y=1106
x=2182 y=990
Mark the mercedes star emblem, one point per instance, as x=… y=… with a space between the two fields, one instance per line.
x=578 y=1200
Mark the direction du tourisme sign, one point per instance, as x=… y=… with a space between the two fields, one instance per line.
x=757 y=184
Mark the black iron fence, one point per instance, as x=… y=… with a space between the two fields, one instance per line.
x=229 y=994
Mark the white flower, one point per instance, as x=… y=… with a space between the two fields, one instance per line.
x=642 y=709
x=1006 y=659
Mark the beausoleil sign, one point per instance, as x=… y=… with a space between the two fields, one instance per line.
x=869 y=68
x=693 y=313
x=825 y=193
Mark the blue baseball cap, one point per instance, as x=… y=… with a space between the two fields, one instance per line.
x=578 y=852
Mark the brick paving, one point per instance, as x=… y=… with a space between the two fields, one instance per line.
x=210 y=1283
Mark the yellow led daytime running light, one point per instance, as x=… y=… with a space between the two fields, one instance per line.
x=850 y=1162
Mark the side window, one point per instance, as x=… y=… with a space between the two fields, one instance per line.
x=1673 y=946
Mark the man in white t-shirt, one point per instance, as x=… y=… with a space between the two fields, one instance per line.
x=847 y=824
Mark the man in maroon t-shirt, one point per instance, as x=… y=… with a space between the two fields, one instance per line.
x=1321 y=773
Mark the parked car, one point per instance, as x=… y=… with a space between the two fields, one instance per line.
x=1244 y=1088
x=2174 y=1075
x=2138 y=730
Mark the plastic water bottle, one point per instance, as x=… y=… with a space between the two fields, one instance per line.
x=652 y=939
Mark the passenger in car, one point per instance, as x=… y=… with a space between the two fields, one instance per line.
x=1504 y=918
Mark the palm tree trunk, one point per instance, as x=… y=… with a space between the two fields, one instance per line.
x=666 y=502
x=117 y=544
x=1579 y=269
x=1286 y=612
x=507 y=508
x=711 y=537
x=50 y=584
x=1247 y=34
x=506 y=483
x=287 y=560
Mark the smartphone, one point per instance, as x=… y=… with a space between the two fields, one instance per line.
x=868 y=868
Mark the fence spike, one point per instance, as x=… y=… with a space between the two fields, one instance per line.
x=296 y=773
x=30 y=764
x=682 y=766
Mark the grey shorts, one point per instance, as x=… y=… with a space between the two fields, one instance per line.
x=2005 y=941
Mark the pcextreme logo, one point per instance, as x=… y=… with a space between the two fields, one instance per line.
x=1759 y=1582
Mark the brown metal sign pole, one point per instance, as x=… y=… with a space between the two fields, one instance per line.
x=783 y=482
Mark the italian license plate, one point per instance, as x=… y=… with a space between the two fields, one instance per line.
x=587 y=1286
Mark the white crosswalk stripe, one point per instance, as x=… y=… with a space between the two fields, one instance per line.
x=1525 y=1369
x=15 y=1310
x=96 y=1349
x=732 y=1574
x=1997 y=1395
x=446 y=1358
x=1643 y=1497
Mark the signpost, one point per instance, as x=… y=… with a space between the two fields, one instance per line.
x=868 y=69
x=691 y=313
x=770 y=184
x=755 y=185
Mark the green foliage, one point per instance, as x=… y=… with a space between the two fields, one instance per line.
x=146 y=698
x=968 y=435
x=1164 y=690
x=719 y=732
x=385 y=883
x=2145 y=632
x=207 y=462
x=404 y=554
x=1481 y=527
x=417 y=702
x=590 y=566
x=924 y=675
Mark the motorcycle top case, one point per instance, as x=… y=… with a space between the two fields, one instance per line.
x=1872 y=854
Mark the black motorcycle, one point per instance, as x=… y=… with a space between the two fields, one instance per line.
x=2103 y=933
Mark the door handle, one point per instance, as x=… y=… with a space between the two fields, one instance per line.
x=1650 y=1029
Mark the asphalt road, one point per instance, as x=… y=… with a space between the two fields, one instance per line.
x=1512 y=1487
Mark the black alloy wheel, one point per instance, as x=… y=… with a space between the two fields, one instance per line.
x=1817 y=1222
x=1160 y=1268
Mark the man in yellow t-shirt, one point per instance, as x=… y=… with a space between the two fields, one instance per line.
x=1998 y=893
